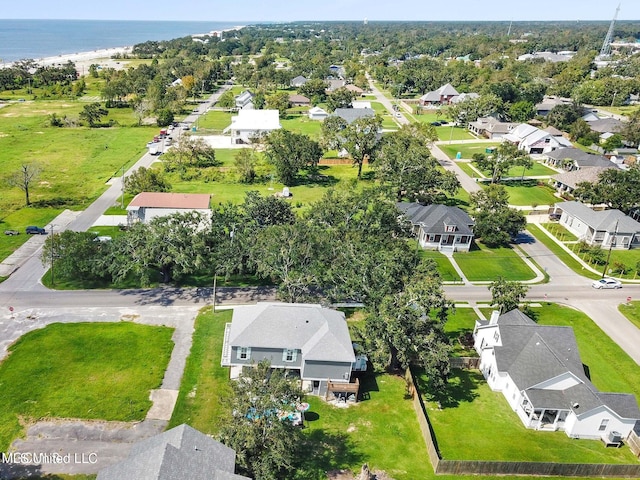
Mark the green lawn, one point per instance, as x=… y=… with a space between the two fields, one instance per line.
x=537 y=169
x=458 y=324
x=528 y=192
x=466 y=168
x=216 y=120
x=559 y=252
x=631 y=311
x=472 y=411
x=487 y=264
x=466 y=149
x=302 y=124
x=205 y=384
x=445 y=269
x=83 y=370
x=450 y=132
x=560 y=232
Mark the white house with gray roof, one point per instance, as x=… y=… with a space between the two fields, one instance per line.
x=539 y=371
x=439 y=227
x=602 y=227
x=307 y=339
x=177 y=454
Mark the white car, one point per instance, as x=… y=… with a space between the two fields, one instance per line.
x=606 y=283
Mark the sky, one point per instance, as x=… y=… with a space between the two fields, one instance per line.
x=255 y=11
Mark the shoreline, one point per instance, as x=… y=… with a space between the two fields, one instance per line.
x=102 y=57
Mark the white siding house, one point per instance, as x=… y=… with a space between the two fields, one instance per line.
x=539 y=371
x=251 y=124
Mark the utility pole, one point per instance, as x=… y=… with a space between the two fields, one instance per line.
x=611 y=242
x=53 y=244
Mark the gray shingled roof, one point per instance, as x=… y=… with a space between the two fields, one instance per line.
x=320 y=333
x=573 y=178
x=433 y=218
x=604 y=125
x=533 y=353
x=352 y=114
x=603 y=220
x=581 y=158
x=177 y=454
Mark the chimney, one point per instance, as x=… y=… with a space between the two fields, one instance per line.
x=494 y=317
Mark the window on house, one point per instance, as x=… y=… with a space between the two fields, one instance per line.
x=449 y=228
x=244 y=353
x=289 y=355
x=603 y=424
x=496 y=336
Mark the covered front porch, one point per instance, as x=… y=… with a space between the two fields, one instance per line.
x=445 y=242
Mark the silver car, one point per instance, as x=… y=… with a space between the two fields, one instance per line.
x=606 y=283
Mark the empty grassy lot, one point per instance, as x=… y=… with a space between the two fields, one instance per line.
x=487 y=264
x=528 y=192
x=83 y=370
x=471 y=413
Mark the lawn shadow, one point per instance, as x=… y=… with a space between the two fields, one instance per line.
x=368 y=384
x=461 y=387
x=323 y=451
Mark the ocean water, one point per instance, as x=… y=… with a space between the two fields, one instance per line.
x=34 y=39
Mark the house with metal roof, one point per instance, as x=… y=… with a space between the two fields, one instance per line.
x=251 y=124
x=180 y=453
x=148 y=205
x=309 y=340
x=539 y=371
x=607 y=228
x=245 y=100
x=439 y=227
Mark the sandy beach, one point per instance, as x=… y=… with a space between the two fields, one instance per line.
x=84 y=59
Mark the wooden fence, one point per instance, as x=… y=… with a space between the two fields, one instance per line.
x=472 y=467
x=465 y=363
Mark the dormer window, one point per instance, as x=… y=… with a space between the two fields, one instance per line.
x=289 y=355
x=244 y=353
x=449 y=228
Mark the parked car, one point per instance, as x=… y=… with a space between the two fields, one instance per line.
x=436 y=124
x=606 y=283
x=33 y=230
x=11 y=232
x=555 y=216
